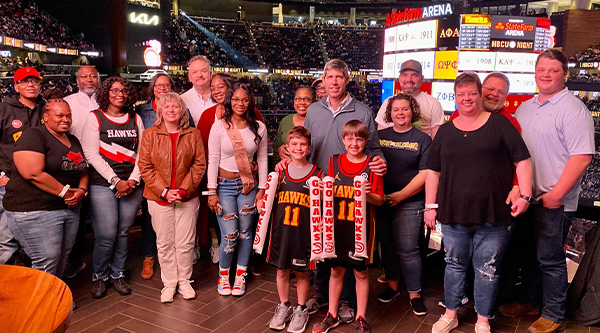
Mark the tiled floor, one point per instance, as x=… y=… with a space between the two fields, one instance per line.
x=142 y=311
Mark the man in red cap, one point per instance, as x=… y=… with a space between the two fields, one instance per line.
x=17 y=112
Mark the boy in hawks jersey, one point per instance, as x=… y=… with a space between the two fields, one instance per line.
x=289 y=245
x=343 y=168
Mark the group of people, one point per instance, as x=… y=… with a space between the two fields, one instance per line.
x=488 y=178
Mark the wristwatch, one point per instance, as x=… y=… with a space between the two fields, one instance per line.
x=526 y=198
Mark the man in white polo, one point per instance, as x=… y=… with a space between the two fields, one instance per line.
x=198 y=99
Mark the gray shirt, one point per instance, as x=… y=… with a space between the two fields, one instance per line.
x=555 y=130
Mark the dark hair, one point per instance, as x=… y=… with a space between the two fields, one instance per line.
x=556 y=55
x=52 y=101
x=153 y=82
x=103 y=91
x=466 y=78
x=500 y=76
x=228 y=79
x=310 y=89
x=250 y=115
x=298 y=132
x=357 y=128
x=412 y=103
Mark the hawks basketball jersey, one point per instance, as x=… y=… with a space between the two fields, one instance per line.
x=118 y=147
x=289 y=244
x=343 y=206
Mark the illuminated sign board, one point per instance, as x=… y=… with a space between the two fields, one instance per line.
x=389 y=66
x=446 y=64
x=476 y=61
x=444 y=93
x=409 y=14
x=522 y=83
x=143 y=18
x=475 y=32
x=425 y=58
x=513 y=27
x=389 y=43
x=418 y=35
x=507 y=45
x=448 y=31
x=515 y=62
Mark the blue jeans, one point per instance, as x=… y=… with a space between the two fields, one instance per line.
x=148 y=234
x=111 y=219
x=398 y=231
x=236 y=222
x=8 y=244
x=47 y=236
x=483 y=245
x=545 y=270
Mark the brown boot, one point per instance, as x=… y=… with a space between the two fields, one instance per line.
x=544 y=325
x=148 y=269
x=517 y=309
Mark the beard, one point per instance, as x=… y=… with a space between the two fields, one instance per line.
x=492 y=107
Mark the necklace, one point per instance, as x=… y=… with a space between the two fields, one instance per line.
x=465 y=132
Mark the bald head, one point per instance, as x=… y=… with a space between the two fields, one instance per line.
x=88 y=79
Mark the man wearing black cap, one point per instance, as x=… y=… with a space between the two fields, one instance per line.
x=17 y=112
x=410 y=79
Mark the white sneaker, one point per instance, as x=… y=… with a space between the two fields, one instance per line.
x=186 y=290
x=214 y=253
x=223 y=286
x=166 y=294
x=444 y=325
x=239 y=286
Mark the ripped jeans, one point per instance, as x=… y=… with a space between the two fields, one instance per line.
x=484 y=245
x=236 y=222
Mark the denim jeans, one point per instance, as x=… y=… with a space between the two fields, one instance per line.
x=545 y=268
x=8 y=244
x=47 y=236
x=398 y=231
x=111 y=219
x=76 y=257
x=483 y=245
x=236 y=222
x=148 y=234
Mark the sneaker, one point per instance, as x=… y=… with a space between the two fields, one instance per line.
x=463 y=301
x=381 y=278
x=361 y=326
x=256 y=272
x=166 y=294
x=346 y=313
x=121 y=286
x=239 y=285
x=326 y=324
x=98 y=289
x=223 y=286
x=186 y=290
x=70 y=272
x=444 y=325
x=418 y=307
x=482 y=328
x=214 y=253
x=282 y=314
x=315 y=303
x=148 y=268
x=299 y=320
x=388 y=295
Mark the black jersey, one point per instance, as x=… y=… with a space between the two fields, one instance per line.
x=343 y=207
x=289 y=244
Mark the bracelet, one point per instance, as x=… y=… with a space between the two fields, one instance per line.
x=2 y=174
x=526 y=198
x=428 y=209
x=432 y=205
x=85 y=191
x=213 y=192
x=164 y=192
x=114 y=181
x=64 y=191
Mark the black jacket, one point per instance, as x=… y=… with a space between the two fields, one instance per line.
x=583 y=298
x=14 y=118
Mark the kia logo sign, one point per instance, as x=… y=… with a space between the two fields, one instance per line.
x=143 y=18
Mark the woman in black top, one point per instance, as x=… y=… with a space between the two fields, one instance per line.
x=470 y=174
x=401 y=220
x=48 y=181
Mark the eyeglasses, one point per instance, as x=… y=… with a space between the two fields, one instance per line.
x=162 y=85
x=237 y=100
x=319 y=88
x=33 y=82
x=116 y=91
x=302 y=99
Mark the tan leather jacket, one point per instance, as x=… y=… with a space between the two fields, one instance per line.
x=155 y=161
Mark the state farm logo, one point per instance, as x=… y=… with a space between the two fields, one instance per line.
x=514 y=29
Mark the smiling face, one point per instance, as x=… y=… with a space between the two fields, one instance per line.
x=549 y=76
x=199 y=75
x=117 y=95
x=302 y=100
x=162 y=85
x=240 y=102
x=29 y=87
x=171 y=111
x=354 y=144
x=218 y=89
x=320 y=90
x=467 y=98
x=57 y=118
x=298 y=148
x=410 y=81
x=493 y=94
x=401 y=113
x=335 y=83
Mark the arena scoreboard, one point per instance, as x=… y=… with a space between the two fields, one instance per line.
x=449 y=44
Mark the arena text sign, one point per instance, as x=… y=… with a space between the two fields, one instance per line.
x=409 y=14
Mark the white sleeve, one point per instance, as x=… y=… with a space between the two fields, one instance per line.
x=261 y=156
x=135 y=174
x=437 y=114
x=90 y=142
x=379 y=119
x=214 y=154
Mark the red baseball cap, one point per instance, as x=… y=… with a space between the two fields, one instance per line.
x=26 y=72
